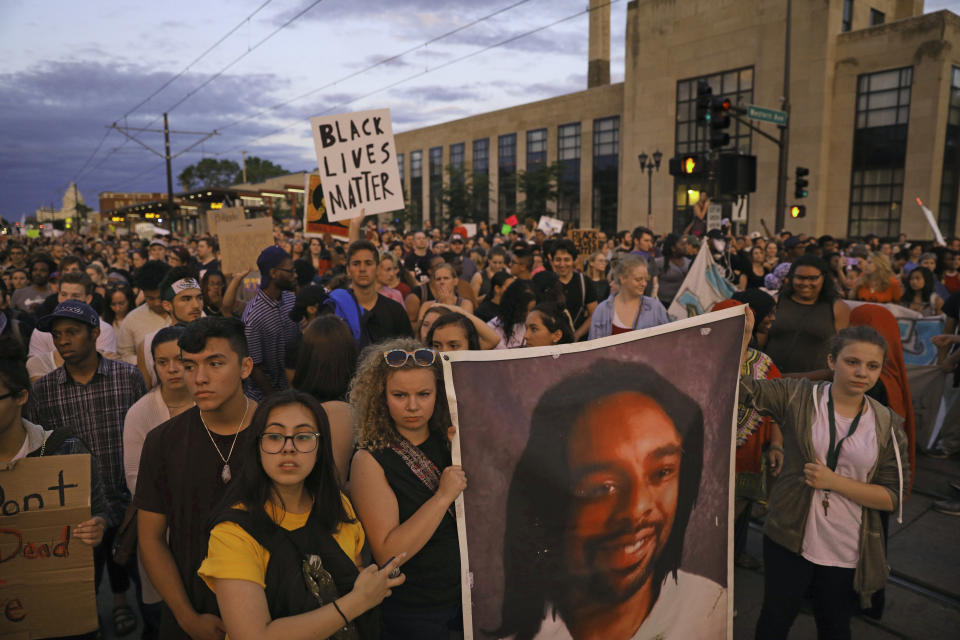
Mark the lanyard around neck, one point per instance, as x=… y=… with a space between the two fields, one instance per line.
x=833 y=450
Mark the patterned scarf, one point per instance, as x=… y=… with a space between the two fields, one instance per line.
x=421 y=466
x=757 y=366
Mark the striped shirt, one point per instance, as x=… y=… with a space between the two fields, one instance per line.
x=94 y=412
x=269 y=330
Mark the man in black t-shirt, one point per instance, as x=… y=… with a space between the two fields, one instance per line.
x=581 y=298
x=371 y=316
x=185 y=467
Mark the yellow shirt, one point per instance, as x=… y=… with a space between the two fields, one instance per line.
x=234 y=554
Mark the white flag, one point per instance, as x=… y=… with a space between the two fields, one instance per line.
x=703 y=287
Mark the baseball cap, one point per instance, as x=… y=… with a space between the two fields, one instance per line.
x=159 y=241
x=456 y=238
x=791 y=242
x=70 y=310
x=692 y=240
x=755 y=235
x=269 y=258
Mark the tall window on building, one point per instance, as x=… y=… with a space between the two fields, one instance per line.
x=400 y=168
x=879 y=152
x=481 y=178
x=456 y=155
x=416 y=185
x=847 y=21
x=737 y=85
x=507 y=175
x=536 y=148
x=950 y=182
x=606 y=169
x=877 y=17
x=568 y=187
x=436 y=185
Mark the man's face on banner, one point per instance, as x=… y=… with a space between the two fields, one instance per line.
x=624 y=455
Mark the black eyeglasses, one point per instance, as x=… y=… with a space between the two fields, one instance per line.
x=8 y=395
x=396 y=358
x=302 y=442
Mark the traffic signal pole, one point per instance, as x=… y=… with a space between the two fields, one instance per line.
x=784 y=132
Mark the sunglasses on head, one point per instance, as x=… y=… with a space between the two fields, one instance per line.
x=398 y=357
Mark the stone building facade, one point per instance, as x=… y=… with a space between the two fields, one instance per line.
x=874 y=113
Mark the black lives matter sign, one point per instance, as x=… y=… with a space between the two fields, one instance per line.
x=357 y=159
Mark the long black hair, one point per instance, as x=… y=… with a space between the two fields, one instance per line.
x=512 y=310
x=327 y=359
x=925 y=293
x=540 y=494
x=253 y=488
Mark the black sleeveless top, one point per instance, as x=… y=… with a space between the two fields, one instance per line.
x=798 y=340
x=433 y=574
x=288 y=593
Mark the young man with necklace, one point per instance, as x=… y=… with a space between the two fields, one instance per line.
x=185 y=467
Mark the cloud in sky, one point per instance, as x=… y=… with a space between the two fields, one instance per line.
x=62 y=85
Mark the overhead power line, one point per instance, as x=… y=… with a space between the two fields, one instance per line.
x=241 y=57
x=376 y=64
x=164 y=86
x=420 y=74
x=197 y=59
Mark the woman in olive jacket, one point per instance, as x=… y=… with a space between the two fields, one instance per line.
x=824 y=526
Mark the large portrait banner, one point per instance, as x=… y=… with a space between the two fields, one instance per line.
x=600 y=476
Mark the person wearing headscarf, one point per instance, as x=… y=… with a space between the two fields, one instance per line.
x=755 y=433
x=893 y=389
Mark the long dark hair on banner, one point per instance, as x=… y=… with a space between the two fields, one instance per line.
x=253 y=488
x=540 y=494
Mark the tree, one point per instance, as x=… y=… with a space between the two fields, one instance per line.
x=539 y=186
x=457 y=195
x=259 y=170
x=208 y=173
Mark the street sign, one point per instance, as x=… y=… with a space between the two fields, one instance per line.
x=714 y=216
x=767 y=115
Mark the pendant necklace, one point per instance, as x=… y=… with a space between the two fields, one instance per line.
x=833 y=448
x=225 y=474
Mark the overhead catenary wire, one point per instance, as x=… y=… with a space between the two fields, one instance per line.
x=370 y=67
x=164 y=86
x=420 y=74
x=241 y=57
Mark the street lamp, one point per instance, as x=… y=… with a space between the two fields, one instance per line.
x=650 y=167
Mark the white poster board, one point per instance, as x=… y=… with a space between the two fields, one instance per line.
x=357 y=158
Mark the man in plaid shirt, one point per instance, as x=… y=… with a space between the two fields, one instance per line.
x=90 y=395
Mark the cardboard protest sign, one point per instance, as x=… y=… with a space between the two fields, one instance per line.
x=703 y=287
x=241 y=242
x=357 y=157
x=611 y=470
x=46 y=576
x=550 y=225
x=315 y=219
x=586 y=240
x=216 y=217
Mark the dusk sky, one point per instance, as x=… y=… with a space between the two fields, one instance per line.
x=73 y=68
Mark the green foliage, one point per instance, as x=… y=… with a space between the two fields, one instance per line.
x=208 y=173
x=539 y=186
x=259 y=170
x=464 y=195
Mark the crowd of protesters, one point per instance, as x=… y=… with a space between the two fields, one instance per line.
x=241 y=422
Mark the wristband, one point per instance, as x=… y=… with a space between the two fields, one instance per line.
x=346 y=622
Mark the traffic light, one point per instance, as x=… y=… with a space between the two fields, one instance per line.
x=798 y=211
x=688 y=165
x=704 y=100
x=800 y=183
x=719 y=122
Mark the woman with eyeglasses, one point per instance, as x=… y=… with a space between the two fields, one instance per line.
x=404 y=485
x=284 y=557
x=627 y=309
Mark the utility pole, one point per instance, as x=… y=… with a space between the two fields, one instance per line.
x=779 y=217
x=243 y=163
x=166 y=146
x=166 y=155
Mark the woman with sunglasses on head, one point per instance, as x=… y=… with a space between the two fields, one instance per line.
x=404 y=485
x=284 y=557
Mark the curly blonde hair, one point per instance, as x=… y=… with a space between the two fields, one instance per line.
x=368 y=396
x=882 y=272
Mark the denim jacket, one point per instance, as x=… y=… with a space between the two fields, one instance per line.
x=651 y=314
x=792 y=403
